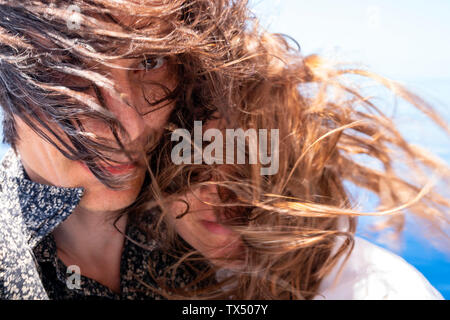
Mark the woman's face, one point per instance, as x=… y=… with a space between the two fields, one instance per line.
x=45 y=164
x=201 y=226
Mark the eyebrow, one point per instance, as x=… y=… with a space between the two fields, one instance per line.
x=109 y=64
x=138 y=24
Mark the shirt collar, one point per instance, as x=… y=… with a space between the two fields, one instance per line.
x=40 y=207
x=138 y=256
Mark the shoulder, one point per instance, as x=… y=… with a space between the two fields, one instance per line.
x=19 y=278
x=372 y=272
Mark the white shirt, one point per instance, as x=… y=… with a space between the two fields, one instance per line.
x=372 y=272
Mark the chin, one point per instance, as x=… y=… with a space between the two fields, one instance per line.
x=107 y=199
x=106 y=204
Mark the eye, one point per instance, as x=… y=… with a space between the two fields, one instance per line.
x=77 y=84
x=80 y=88
x=152 y=63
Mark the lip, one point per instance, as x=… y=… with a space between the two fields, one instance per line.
x=215 y=227
x=123 y=168
x=119 y=169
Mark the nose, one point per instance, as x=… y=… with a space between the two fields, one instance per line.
x=127 y=115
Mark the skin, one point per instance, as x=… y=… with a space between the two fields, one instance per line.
x=201 y=226
x=87 y=238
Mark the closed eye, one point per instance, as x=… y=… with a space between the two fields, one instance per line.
x=80 y=88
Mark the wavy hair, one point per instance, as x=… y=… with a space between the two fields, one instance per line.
x=46 y=48
x=294 y=225
x=297 y=224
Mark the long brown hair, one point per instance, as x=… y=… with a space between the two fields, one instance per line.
x=289 y=222
x=46 y=48
x=296 y=224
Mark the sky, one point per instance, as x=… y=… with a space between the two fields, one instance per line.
x=402 y=38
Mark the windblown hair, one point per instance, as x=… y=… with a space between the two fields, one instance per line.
x=294 y=225
x=297 y=224
x=46 y=48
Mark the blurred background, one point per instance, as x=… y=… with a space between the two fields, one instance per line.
x=406 y=40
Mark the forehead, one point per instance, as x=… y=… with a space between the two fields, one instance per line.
x=143 y=23
x=134 y=22
x=128 y=23
x=145 y=32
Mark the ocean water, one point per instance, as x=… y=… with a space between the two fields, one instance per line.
x=417 y=250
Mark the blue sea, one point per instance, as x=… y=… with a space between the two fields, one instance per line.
x=417 y=250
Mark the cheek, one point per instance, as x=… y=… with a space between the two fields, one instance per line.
x=45 y=164
x=185 y=228
x=209 y=244
x=157 y=120
x=94 y=127
x=150 y=93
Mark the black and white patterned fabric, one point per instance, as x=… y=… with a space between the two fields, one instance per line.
x=29 y=266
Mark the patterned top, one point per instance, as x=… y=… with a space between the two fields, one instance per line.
x=29 y=266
